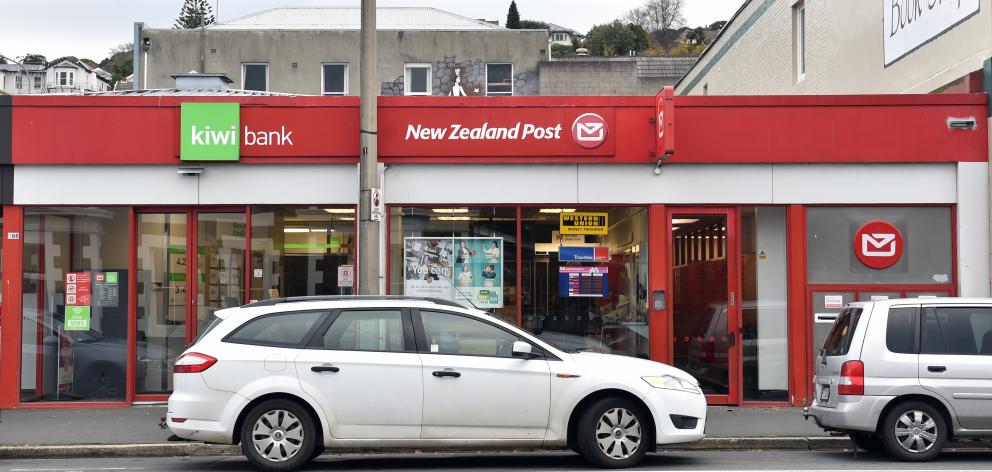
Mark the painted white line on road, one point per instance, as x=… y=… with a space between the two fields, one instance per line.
x=77 y=469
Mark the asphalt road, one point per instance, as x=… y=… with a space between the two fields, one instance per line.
x=768 y=461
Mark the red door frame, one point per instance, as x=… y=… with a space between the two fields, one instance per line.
x=733 y=255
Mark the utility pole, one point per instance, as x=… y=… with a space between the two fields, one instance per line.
x=368 y=229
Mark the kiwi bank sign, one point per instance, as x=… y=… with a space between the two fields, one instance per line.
x=909 y=24
x=213 y=132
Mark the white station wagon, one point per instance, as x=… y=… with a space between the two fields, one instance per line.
x=287 y=378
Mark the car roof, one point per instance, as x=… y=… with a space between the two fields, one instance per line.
x=925 y=301
x=277 y=305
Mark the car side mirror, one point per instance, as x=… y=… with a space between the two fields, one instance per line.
x=522 y=349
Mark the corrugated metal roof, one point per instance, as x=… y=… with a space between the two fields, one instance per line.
x=349 y=18
x=664 y=66
x=190 y=93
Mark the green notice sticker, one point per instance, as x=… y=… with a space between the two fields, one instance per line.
x=209 y=131
x=77 y=318
x=112 y=278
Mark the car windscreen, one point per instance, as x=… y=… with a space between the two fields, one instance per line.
x=838 y=342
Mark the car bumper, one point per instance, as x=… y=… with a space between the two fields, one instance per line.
x=861 y=415
x=666 y=403
x=206 y=415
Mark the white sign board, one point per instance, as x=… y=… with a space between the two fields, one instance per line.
x=908 y=24
x=378 y=208
x=346 y=276
x=833 y=301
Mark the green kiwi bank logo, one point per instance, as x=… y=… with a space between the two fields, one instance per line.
x=209 y=132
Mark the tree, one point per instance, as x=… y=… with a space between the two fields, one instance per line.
x=36 y=59
x=513 y=16
x=696 y=36
x=616 y=39
x=2 y=60
x=657 y=15
x=193 y=14
x=533 y=24
x=717 y=25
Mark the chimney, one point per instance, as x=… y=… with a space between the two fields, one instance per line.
x=194 y=80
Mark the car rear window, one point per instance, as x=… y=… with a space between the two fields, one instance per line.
x=278 y=330
x=838 y=342
x=901 y=332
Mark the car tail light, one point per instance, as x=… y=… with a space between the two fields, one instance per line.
x=193 y=363
x=852 y=378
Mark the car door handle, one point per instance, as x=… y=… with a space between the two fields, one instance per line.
x=447 y=373
x=937 y=368
x=324 y=368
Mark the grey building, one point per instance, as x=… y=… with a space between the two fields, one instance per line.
x=315 y=51
x=422 y=51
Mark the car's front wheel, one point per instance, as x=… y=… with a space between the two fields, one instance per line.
x=914 y=431
x=278 y=435
x=614 y=433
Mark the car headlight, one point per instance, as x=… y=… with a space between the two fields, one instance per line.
x=671 y=382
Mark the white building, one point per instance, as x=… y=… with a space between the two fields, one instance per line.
x=62 y=77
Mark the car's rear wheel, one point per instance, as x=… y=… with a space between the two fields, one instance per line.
x=914 y=431
x=868 y=441
x=278 y=435
x=614 y=433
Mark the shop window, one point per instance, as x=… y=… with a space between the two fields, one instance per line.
x=74 y=323
x=302 y=251
x=499 y=79
x=764 y=290
x=220 y=264
x=255 y=77
x=925 y=256
x=417 y=79
x=587 y=291
x=465 y=254
x=334 y=79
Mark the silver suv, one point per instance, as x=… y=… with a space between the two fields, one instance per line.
x=906 y=376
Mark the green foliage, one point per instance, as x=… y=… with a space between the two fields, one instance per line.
x=696 y=36
x=533 y=24
x=37 y=59
x=513 y=16
x=194 y=13
x=616 y=39
x=561 y=50
x=72 y=59
x=2 y=60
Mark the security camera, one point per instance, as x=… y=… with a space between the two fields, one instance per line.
x=146 y=44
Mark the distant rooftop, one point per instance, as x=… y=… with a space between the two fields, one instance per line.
x=349 y=18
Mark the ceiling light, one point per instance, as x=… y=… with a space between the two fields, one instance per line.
x=453 y=218
x=318 y=230
x=296 y=230
x=341 y=211
x=557 y=210
x=347 y=219
x=450 y=210
x=684 y=221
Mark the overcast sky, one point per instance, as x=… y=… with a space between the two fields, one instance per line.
x=90 y=28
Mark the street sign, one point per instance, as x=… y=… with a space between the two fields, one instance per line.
x=378 y=208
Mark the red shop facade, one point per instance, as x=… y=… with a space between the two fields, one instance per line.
x=718 y=234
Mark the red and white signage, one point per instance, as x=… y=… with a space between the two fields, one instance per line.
x=665 y=124
x=878 y=245
x=589 y=130
x=496 y=132
x=77 y=289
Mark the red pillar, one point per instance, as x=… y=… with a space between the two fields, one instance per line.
x=10 y=312
x=799 y=323
x=660 y=324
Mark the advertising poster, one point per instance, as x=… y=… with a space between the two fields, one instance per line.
x=428 y=268
x=459 y=269
x=479 y=271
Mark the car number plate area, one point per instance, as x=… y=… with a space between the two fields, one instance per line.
x=824 y=393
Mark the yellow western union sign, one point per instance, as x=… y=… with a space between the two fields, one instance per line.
x=584 y=223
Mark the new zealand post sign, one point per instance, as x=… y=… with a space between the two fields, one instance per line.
x=209 y=131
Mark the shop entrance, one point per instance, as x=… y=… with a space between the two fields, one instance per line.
x=189 y=263
x=705 y=300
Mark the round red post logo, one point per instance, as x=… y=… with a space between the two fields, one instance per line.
x=878 y=244
x=589 y=130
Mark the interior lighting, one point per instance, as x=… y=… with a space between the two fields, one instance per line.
x=450 y=211
x=295 y=230
x=454 y=218
x=684 y=221
x=557 y=210
x=340 y=211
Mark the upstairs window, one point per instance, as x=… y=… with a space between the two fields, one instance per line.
x=417 y=79
x=334 y=79
x=255 y=77
x=499 y=79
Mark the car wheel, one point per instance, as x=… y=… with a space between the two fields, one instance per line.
x=868 y=441
x=613 y=433
x=914 y=431
x=278 y=435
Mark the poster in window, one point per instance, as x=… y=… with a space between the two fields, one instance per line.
x=427 y=267
x=478 y=271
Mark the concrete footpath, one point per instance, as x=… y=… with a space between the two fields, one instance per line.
x=134 y=432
